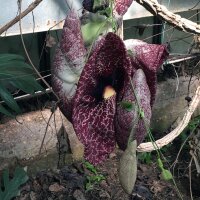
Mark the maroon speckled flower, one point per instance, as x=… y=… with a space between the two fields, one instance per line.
x=93 y=115
x=125 y=120
x=98 y=118
x=68 y=63
x=148 y=57
x=121 y=6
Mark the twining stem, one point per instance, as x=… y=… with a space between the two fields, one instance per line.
x=159 y=153
x=140 y=116
x=147 y=147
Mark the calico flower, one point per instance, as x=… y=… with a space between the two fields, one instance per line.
x=93 y=114
x=121 y=6
x=91 y=93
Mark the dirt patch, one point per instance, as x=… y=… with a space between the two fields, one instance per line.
x=70 y=183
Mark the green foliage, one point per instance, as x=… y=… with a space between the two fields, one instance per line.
x=90 y=167
x=91 y=30
x=194 y=123
x=98 y=4
x=126 y=105
x=18 y=74
x=10 y=188
x=141 y=113
x=100 y=22
x=93 y=179
x=145 y=157
x=106 y=12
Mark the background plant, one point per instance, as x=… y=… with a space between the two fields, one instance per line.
x=9 y=188
x=15 y=72
x=94 y=178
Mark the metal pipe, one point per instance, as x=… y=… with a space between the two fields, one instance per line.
x=28 y=96
x=180 y=59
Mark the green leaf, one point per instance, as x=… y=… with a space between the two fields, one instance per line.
x=8 y=57
x=107 y=12
x=8 y=98
x=96 y=3
x=88 y=186
x=127 y=105
x=92 y=30
x=8 y=70
x=27 y=84
x=5 y=112
x=128 y=167
x=14 y=71
x=166 y=175
x=11 y=187
x=145 y=157
x=141 y=113
x=90 y=167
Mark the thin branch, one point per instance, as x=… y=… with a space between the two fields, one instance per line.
x=176 y=20
x=190 y=178
x=27 y=54
x=30 y=8
x=149 y=146
x=194 y=6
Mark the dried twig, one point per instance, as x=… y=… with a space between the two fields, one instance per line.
x=176 y=20
x=190 y=178
x=31 y=7
x=149 y=146
x=179 y=152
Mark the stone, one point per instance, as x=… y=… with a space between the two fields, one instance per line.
x=171 y=104
x=56 y=187
x=21 y=139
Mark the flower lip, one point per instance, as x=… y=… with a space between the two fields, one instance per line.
x=108 y=92
x=114 y=80
x=93 y=116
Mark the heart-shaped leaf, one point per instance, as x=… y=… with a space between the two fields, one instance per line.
x=11 y=187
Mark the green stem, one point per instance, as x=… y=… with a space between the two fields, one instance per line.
x=159 y=153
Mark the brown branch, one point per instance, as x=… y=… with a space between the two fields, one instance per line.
x=176 y=20
x=148 y=146
x=31 y=7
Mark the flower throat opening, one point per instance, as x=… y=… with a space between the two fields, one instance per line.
x=114 y=81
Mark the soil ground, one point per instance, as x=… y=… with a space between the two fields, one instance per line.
x=69 y=183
